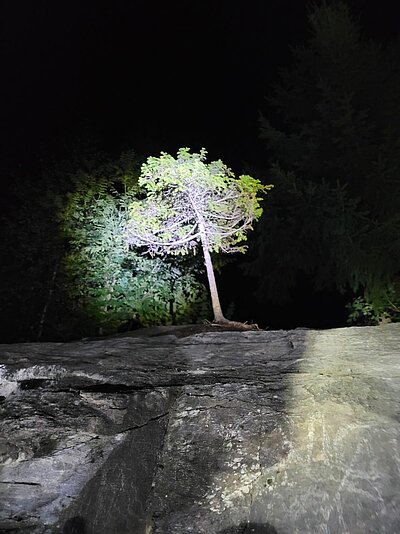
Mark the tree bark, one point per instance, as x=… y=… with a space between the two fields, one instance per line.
x=218 y=315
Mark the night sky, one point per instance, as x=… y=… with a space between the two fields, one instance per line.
x=150 y=76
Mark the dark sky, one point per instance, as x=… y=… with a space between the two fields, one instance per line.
x=149 y=75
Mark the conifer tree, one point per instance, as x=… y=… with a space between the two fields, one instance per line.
x=333 y=129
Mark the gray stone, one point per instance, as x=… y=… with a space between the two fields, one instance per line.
x=218 y=432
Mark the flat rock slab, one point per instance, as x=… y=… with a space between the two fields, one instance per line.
x=225 y=432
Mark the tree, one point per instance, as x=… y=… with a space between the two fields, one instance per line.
x=333 y=130
x=190 y=202
x=336 y=113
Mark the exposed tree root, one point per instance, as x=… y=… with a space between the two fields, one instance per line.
x=233 y=325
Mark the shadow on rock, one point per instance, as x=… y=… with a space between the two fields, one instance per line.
x=74 y=525
x=229 y=432
x=250 y=528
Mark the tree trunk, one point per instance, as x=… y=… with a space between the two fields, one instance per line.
x=219 y=318
x=218 y=315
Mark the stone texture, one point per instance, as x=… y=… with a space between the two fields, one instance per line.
x=225 y=433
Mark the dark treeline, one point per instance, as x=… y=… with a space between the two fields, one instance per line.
x=325 y=253
x=331 y=227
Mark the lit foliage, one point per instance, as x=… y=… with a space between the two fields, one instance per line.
x=185 y=194
x=109 y=282
x=189 y=202
x=338 y=122
x=362 y=312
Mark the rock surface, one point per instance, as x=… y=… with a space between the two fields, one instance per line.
x=225 y=433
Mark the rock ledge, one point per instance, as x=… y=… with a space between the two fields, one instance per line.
x=167 y=431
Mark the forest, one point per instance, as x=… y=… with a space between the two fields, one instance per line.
x=324 y=253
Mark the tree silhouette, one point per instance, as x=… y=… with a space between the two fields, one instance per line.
x=332 y=130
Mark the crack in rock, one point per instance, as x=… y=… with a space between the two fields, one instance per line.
x=150 y=420
x=20 y=482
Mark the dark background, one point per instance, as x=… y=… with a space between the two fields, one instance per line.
x=155 y=76
x=150 y=75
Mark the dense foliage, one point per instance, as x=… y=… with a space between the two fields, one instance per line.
x=334 y=214
x=70 y=273
x=112 y=283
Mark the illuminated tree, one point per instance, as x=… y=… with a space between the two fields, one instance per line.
x=189 y=203
x=111 y=286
